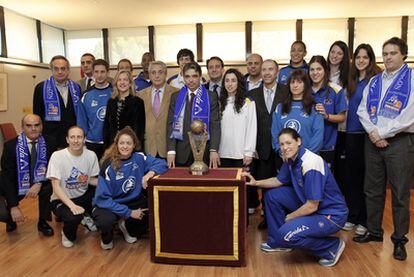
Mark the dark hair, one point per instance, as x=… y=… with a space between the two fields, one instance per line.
x=372 y=69
x=273 y=61
x=100 y=62
x=125 y=60
x=307 y=99
x=240 y=92
x=185 y=53
x=289 y=131
x=88 y=54
x=344 y=66
x=75 y=127
x=299 y=42
x=59 y=57
x=215 y=58
x=192 y=65
x=400 y=43
x=321 y=60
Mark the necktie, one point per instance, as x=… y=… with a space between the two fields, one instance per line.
x=89 y=83
x=192 y=95
x=33 y=158
x=157 y=103
x=269 y=100
x=215 y=87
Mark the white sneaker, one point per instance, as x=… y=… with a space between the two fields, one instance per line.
x=65 y=241
x=348 y=226
x=107 y=246
x=128 y=238
x=261 y=212
x=265 y=247
x=252 y=210
x=89 y=224
x=334 y=261
x=360 y=230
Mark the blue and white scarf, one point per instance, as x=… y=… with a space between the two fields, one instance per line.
x=395 y=99
x=23 y=164
x=200 y=110
x=51 y=98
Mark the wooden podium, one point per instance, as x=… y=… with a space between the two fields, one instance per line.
x=198 y=219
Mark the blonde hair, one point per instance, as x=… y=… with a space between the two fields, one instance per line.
x=115 y=92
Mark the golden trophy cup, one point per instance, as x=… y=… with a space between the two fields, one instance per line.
x=198 y=140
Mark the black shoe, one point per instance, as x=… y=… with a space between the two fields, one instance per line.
x=399 y=252
x=367 y=238
x=11 y=226
x=45 y=228
x=262 y=225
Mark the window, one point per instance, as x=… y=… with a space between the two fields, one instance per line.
x=21 y=36
x=52 y=42
x=226 y=40
x=319 y=34
x=128 y=43
x=410 y=38
x=272 y=39
x=170 y=39
x=375 y=31
x=80 y=42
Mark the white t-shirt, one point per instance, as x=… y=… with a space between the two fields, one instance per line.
x=73 y=172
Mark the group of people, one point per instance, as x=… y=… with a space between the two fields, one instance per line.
x=333 y=131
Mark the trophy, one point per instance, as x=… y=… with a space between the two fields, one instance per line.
x=198 y=140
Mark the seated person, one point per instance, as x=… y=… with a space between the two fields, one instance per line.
x=71 y=170
x=123 y=176
x=306 y=214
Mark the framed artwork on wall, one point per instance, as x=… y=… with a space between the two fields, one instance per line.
x=3 y=92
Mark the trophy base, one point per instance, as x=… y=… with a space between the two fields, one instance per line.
x=198 y=168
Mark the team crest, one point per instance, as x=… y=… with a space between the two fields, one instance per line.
x=321 y=224
x=129 y=184
x=94 y=103
x=100 y=113
x=293 y=124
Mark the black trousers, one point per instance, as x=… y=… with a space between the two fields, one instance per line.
x=340 y=155
x=43 y=204
x=329 y=157
x=105 y=220
x=71 y=221
x=354 y=178
x=99 y=149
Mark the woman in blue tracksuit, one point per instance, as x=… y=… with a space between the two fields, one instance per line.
x=363 y=68
x=306 y=214
x=297 y=111
x=330 y=103
x=124 y=173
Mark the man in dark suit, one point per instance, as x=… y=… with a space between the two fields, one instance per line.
x=215 y=69
x=87 y=81
x=55 y=100
x=26 y=177
x=266 y=97
x=186 y=105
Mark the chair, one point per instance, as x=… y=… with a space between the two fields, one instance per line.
x=8 y=131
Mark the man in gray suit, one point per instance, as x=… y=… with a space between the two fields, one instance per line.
x=192 y=102
x=86 y=82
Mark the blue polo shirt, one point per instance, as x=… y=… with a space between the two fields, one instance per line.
x=353 y=124
x=141 y=82
x=285 y=72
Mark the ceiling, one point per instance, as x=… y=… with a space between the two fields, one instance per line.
x=93 y=14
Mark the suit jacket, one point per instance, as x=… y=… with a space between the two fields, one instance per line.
x=264 y=118
x=156 y=127
x=182 y=148
x=54 y=131
x=9 y=184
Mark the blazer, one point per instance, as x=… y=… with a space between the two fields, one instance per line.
x=132 y=115
x=156 y=127
x=264 y=118
x=182 y=148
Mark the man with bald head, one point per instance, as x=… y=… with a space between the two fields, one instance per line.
x=253 y=78
x=24 y=163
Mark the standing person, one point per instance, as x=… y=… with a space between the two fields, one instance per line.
x=297 y=61
x=124 y=175
x=386 y=113
x=88 y=80
x=330 y=103
x=215 y=69
x=70 y=171
x=125 y=65
x=297 y=111
x=266 y=98
x=238 y=122
x=338 y=64
x=306 y=214
x=55 y=101
x=184 y=56
x=192 y=102
x=24 y=162
x=253 y=78
x=143 y=81
x=157 y=101
x=123 y=109
x=363 y=68
x=92 y=108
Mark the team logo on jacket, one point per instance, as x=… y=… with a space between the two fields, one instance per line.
x=94 y=103
x=100 y=113
x=129 y=184
x=293 y=124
